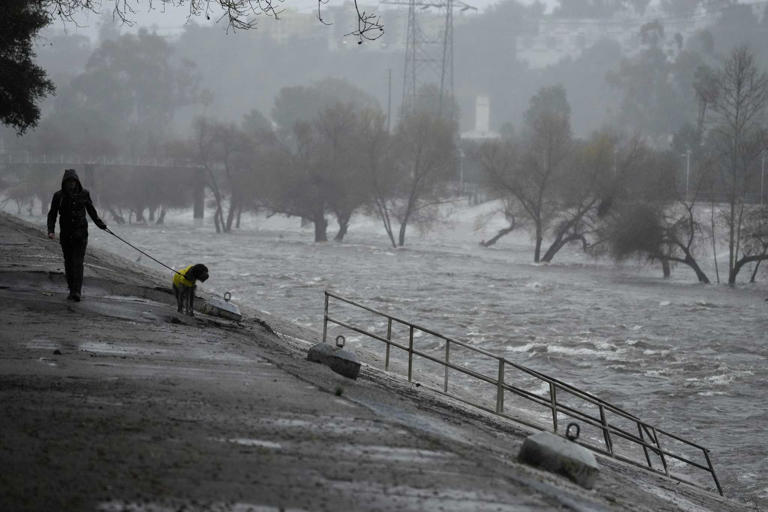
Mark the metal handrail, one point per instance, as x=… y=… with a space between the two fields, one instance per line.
x=645 y=430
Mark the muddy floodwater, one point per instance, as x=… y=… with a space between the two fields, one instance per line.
x=689 y=358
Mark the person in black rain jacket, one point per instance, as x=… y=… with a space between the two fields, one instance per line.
x=71 y=203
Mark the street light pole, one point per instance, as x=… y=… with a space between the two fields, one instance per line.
x=762 y=180
x=687 y=171
x=687 y=156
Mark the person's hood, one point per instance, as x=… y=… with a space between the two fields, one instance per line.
x=72 y=174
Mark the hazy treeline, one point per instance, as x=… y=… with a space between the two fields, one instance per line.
x=619 y=195
x=246 y=70
x=590 y=152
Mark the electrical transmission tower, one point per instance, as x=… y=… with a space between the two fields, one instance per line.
x=429 y=52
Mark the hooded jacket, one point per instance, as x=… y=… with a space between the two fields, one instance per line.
x=71 y=209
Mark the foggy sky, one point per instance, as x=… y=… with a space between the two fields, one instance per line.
x=171 y=20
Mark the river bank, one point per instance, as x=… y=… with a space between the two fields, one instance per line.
x=117 y=403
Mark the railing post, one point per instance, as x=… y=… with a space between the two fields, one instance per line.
x=325 y=318
x=661 y=450
x=389 y=338
x=653 y=445
x=553 y=401
x=410 y=353
x=645 y=448
x=712 y=471
x=447 y=362
x=606 y=432
x=500 y=389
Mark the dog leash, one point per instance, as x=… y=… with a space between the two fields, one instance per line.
x=142 y=252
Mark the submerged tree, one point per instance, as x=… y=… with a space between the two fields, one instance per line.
x=424 y=160
x=338 y=157
x=530 y=170
x=649 y=217
x=736 y=138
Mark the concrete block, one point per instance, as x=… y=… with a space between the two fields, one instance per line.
x=339 y=360
x=559 y=455
x=221 y=308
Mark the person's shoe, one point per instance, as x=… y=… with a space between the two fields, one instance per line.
x=76 y=297
x=71 y=296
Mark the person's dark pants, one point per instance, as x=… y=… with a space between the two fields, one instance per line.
x=73 y=248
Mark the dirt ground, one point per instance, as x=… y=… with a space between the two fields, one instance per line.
x=118 y=403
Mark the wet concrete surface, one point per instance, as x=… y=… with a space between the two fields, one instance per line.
x=118 y=403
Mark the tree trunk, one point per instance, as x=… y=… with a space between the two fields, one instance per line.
x=743 y=261
x=161 y=217
x=383 y=211
x=233 y=205
x=666 y=269
x=404 y=226
x=700 y=275
x=731 y=245
x=558 y=244
x=754 y=272
x=140 y=216
x=239 y=214
x=321 y=225
x=116 y=216
x=216 y=221
x=151 y=214
x=401 y=235
x=343 y=220
x=539 y=237
x=499 y=234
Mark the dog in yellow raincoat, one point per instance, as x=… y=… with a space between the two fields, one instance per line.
x=184 y=284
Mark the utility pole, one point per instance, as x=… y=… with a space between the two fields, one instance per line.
x=389 y=98
x=446 y=70
x=762 y=179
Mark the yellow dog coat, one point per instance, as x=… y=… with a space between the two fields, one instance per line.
x=180 y=278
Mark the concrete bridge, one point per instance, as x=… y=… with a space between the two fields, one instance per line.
x=89 y=168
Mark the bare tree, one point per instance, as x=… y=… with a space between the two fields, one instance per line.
x=511 y=216
x=424 y=159
x=529 y=169
x=755 y=233
x=336 y=130
x=224 y=152
x=376 y=160
x=737 y=136
x=295 y=184
x=584 y=188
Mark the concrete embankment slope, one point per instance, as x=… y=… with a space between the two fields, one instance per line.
x=117 y=403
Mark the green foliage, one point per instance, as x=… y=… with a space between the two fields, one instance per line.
x=636 y=229
x=122 y=103
x=303 y=103
x=22 y=83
